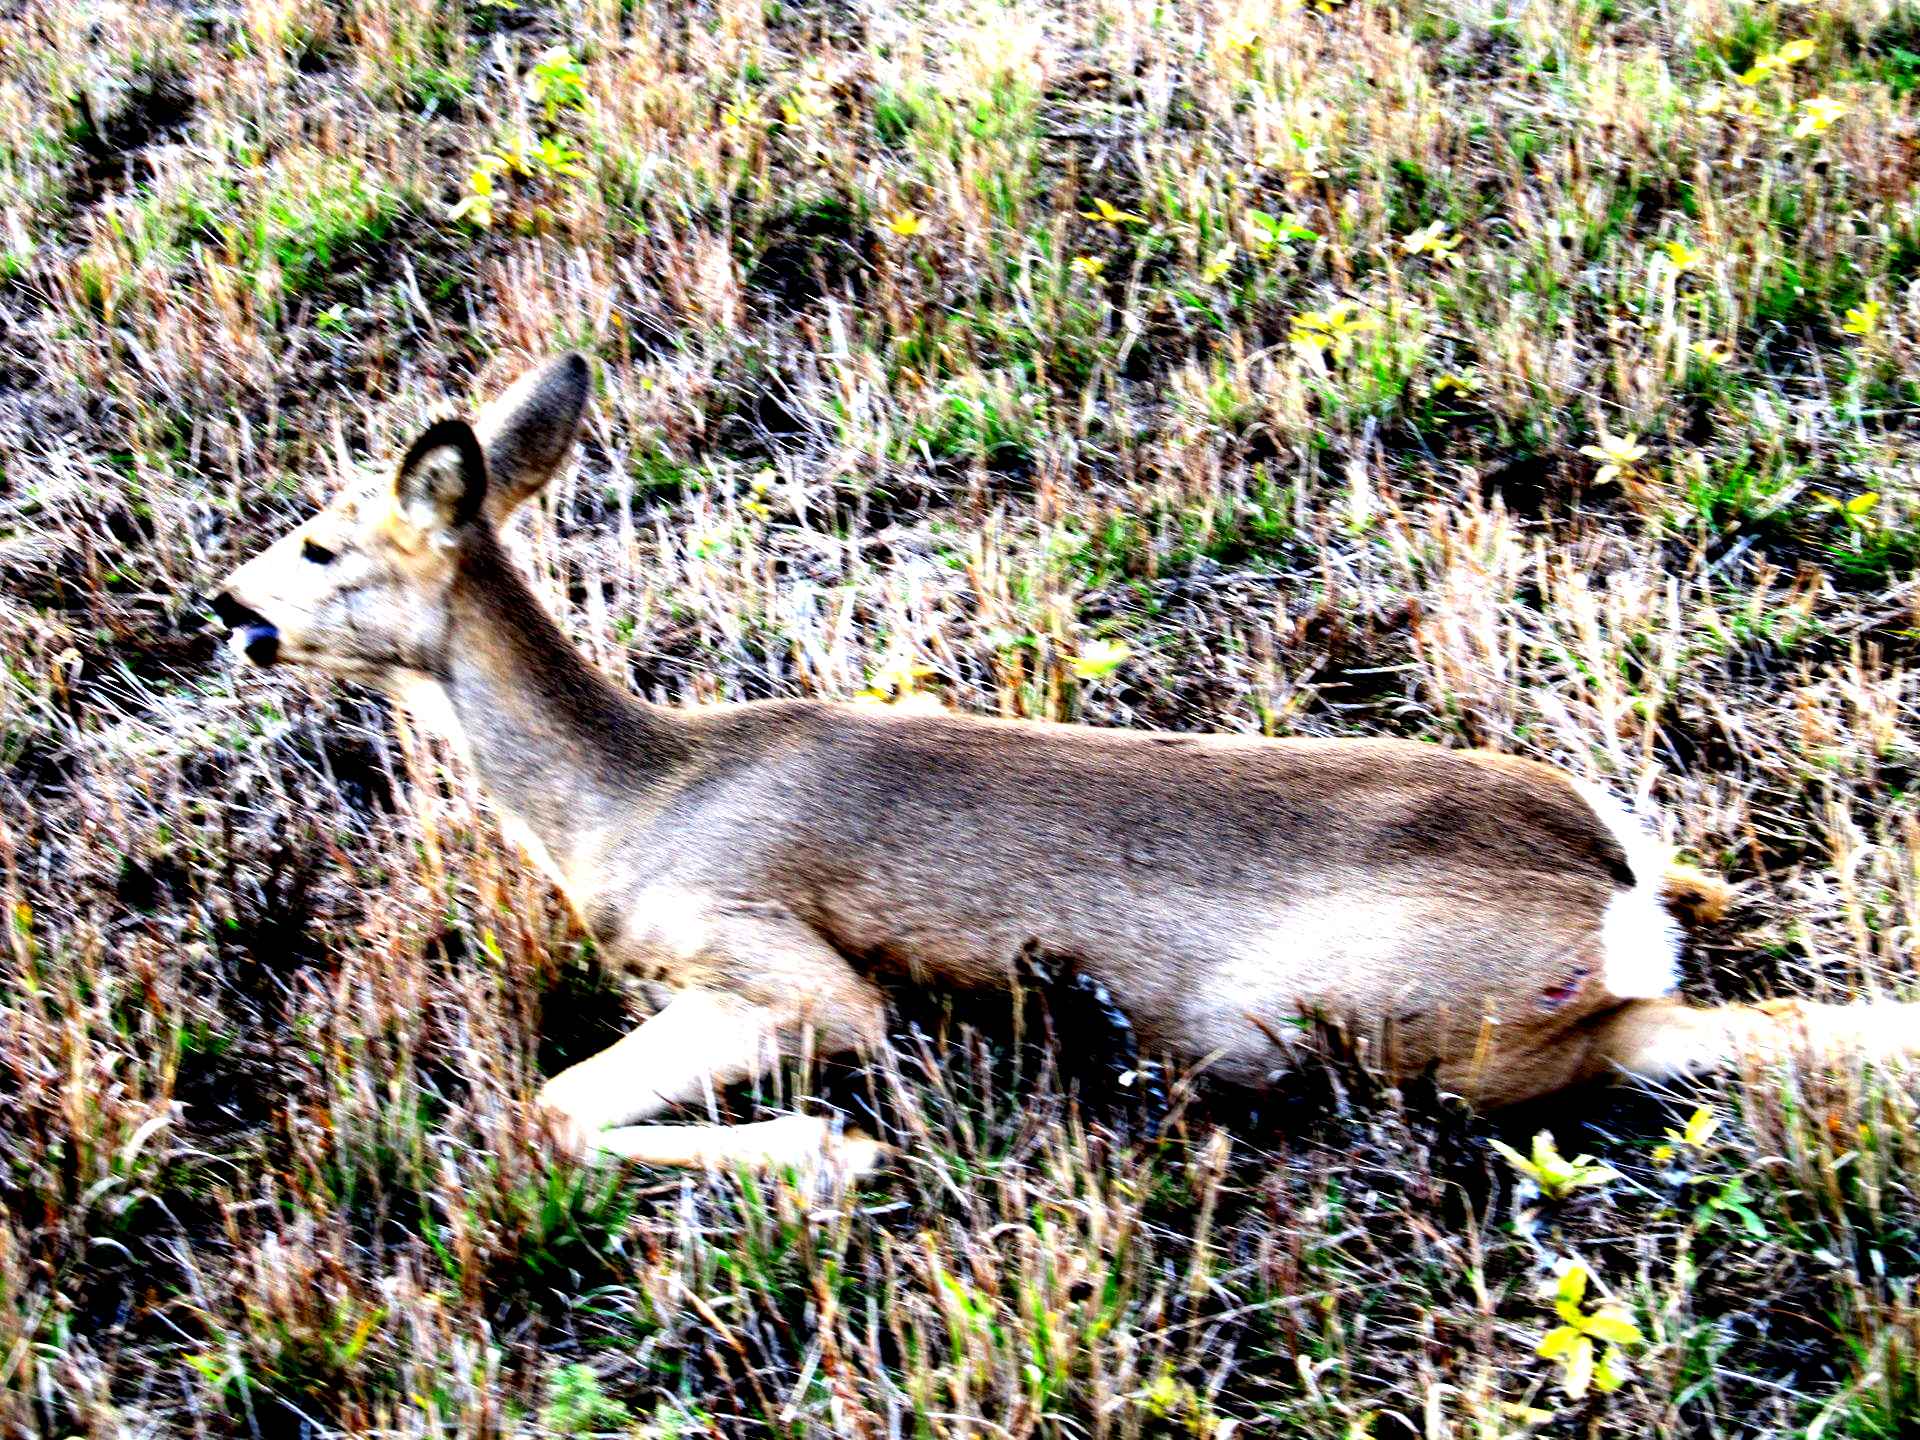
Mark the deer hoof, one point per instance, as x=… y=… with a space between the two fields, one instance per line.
x=570 y=1133
x=855 y=1154
x=809 y=1146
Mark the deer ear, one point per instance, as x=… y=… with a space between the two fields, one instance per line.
x=442 y=483
x=529 y=430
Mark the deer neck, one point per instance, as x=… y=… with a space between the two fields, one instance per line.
x=562 y=752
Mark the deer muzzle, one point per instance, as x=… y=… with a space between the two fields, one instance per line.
x=254 y=635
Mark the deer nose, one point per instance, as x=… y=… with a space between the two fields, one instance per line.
x=259 y=639
x=233 y=614
x=262 y=644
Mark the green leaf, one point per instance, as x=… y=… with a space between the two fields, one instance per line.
x=1572 y=1288
x=1612 y=1372
x=1579 y=1376
x=1514 y=1158
x=1700 y=1127
x=1612 y=1324
x=1557 y=1342
x=364 y=1332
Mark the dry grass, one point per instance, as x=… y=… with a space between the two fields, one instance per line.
x=963 y=335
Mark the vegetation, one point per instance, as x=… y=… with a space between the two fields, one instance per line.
x=1528 y=376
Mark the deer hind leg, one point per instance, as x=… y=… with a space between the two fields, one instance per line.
x=706 y=1039
x=1667 y=1039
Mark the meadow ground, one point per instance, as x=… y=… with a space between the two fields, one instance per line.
x=1534 y=375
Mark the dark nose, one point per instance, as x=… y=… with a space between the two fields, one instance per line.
x=259 y=639
x=233 y=614
x=263 y=644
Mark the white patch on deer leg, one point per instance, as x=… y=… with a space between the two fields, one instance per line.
x=1878 y=1030
x=803 y=1143
x=790 y=1140
x=1639 y=940
x=697 y=1039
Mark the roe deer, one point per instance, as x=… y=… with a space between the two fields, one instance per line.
x=1492 y=916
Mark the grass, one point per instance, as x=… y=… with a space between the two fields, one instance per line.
x=968 y=337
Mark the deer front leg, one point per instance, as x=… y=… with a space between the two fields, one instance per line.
x=793 y=1142
x=783 y=983
x=700 y=1039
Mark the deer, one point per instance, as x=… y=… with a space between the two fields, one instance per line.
x=1489 y=919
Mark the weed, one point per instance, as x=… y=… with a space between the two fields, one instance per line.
x=576 y=1405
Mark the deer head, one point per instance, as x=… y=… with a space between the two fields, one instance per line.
x=360 y=590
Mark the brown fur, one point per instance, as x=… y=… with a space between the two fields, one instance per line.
x=1696 y=897
x=771 y=861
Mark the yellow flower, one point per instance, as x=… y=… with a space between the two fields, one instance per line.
x=1575 y=1342
x=1699 y=1129
x=1863 y=319
x=1091 y=266
x=477 y=207
x=1244 y=32
x=1857 y=512
x=1556 y=1176
x=1713 y=352
x=1663 y=1154
x=1331 y=332
x=556 y=157
x=897 y=685
x=1682 y=256
x=1433 y=240
x=808 y=101
x=906 y=225
x=1785 y=58
x=1100 y=658
x=1618 y=455
x=1105 y=212
x=1460 y=382
x=739 y=112
x=1817 y=113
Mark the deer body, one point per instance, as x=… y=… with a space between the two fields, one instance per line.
x=770 y=862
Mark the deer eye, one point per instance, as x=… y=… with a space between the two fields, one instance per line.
x=315 y=554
